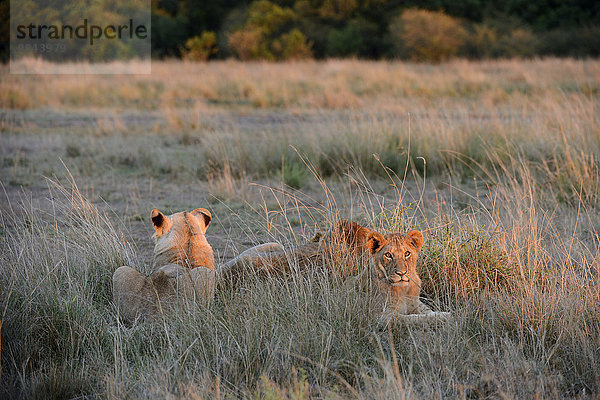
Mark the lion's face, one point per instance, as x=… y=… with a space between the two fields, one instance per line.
x=179 y=238
x=395 y=257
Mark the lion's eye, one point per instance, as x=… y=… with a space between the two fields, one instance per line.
x=388 y=255
x=406 y=254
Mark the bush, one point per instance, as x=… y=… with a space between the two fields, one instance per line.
x=292 y=46
x=427 y=35
x=461 y=262
x=519 y=42
x=506 y=37
x=248 y=44
x=200 y=48
x=343 y=42
x=481 y=42
x=269 y=35
x=357 y=38
x=167 y=35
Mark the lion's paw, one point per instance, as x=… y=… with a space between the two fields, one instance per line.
x=415 y=320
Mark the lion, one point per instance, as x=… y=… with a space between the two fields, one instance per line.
x=392 y=262
x=184 y=267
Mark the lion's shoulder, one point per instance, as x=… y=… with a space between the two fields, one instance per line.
x=347 y=234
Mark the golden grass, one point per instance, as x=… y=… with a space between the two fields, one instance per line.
x=496 y=162
x=335 y=84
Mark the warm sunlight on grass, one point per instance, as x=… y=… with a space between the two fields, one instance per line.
x=496 y=162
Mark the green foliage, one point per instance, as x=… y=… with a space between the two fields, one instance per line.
x=549 y=14
x=294 y=174
x=167 y=35
x=200 y=48
x=292 y=46
x=500 y=37
x=269 y=34
x=348 y=41
x=519 y=42
x=571 y=42
x=482 y=41
x=269 y=17
x=344 y=42
x=341 y=28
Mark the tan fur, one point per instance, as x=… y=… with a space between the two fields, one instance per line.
x=344 y=239
x=392 y=260
x=184 y=267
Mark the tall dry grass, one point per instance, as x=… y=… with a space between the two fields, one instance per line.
x=531 y=333
x=496 y=162
x=195 y=121
x=334 y=84
x=557 y=140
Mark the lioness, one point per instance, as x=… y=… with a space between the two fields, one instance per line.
x=184 y=261
x=392 y=264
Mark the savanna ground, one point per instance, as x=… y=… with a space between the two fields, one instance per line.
x=498 y=163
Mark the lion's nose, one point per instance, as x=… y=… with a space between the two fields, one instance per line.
x=398 y=272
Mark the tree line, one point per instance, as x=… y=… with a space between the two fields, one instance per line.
x=419 y=30
x=425 y=30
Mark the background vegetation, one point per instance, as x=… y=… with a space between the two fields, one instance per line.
x=417 y=30
x=374 y=29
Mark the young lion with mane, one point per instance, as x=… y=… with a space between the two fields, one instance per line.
x=391 y=260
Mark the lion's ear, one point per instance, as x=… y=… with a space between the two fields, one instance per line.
x=375 y=241
x=161 y=223
x=417 y=238
x=204 y=215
